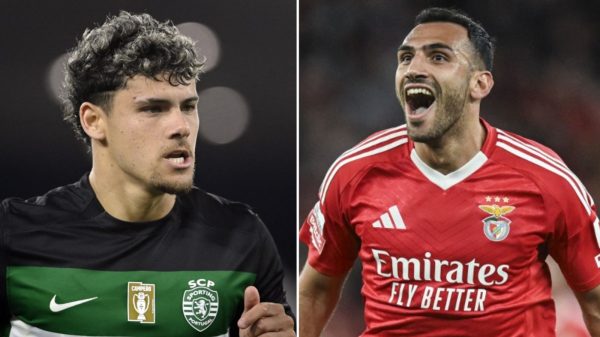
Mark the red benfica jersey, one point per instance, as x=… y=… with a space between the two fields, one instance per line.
x=461 y=254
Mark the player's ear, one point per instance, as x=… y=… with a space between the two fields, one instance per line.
x=92 y=118
x=481 y=84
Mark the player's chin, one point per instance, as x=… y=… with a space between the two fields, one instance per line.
x=419 y=132
x=180 y=183
x=179 y=187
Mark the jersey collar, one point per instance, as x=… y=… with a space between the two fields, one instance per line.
x=445 y=181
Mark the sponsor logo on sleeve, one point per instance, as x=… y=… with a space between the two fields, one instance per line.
x=200 y=304
x=316 y=220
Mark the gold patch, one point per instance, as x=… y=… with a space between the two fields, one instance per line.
x=140 y=302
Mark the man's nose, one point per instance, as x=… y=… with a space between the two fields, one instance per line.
x=179 y=124
x=417 y=68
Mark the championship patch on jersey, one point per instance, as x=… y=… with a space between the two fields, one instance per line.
x=140 y=302
x=496 y=226
x=200 y=304
x=316 y=220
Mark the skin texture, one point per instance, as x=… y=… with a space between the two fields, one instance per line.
x=440 y=57
x=590 y=307
x=263 y=319
x=318 y=296
x=148 y=120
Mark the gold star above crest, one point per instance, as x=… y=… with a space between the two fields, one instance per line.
x=497 y=199
x=505 y=199
x=488 y=199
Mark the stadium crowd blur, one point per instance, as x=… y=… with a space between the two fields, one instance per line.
x=546 y=89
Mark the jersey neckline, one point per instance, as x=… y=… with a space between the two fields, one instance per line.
x=446 y=181
x=94 y=209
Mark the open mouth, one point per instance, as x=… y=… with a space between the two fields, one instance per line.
x=178 y=156
x=419 y=100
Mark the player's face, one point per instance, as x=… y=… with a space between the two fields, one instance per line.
x=151 y=133
x=432 y=79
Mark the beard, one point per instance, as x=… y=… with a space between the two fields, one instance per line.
x=180 y=185
x=449 y=110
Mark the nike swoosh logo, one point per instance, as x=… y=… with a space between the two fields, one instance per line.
x=58 y=307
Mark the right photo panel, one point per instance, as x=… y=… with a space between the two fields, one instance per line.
x=448 y=169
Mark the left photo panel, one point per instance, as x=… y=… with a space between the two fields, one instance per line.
x=148 y=180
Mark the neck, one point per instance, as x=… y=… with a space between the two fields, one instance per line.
x=126 y=199
x=455 y=148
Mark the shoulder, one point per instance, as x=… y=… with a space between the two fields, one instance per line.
x=73 y=198
x=385 y=146
x=543 y=166
x=220 y=212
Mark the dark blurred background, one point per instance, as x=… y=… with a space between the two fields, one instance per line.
x=247 y=149
x=547 y=89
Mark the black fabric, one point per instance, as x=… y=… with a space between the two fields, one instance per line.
x=67 y=227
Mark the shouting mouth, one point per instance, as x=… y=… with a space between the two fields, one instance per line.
x=419 y=101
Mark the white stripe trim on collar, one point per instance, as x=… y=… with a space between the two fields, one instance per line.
x=445 y=181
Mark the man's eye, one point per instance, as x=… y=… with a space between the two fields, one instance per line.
x=439 y=57
x=152 y=108
x=191 y=107
x=405 y=58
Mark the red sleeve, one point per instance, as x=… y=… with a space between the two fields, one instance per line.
x=332 y=243
x=575 y=244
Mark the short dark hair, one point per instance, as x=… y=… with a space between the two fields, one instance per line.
x=124 y=46
x=482 y=42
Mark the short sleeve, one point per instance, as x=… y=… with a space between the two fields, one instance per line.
x=575 y=244
x=269 y=279
x=269 y=275
x=332 y=243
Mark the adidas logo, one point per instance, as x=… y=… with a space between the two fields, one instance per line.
x=390 y=219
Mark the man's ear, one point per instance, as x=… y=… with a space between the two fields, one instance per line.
x=481 y=84
x=92 y=118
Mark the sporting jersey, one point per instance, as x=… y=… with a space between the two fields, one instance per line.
x=461 y=254
x=71 y=269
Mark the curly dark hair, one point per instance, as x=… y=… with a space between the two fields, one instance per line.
x=482 y=42
x=124 y=46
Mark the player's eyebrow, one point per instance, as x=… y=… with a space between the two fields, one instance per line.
x=427 y=47
x=162 y=101
x=406 y=48
x=193 y=99
x=438 y=46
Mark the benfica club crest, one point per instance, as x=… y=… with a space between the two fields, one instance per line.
x=496 y=226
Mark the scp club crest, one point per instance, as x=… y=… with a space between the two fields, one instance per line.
x=496 y=226
x=200 y=304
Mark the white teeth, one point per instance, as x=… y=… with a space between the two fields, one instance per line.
x=178 y=160
x=415 y=91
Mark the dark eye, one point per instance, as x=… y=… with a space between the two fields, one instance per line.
x=405 y=58
x=439 y=57
x=152 y=109
x=189 y=107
